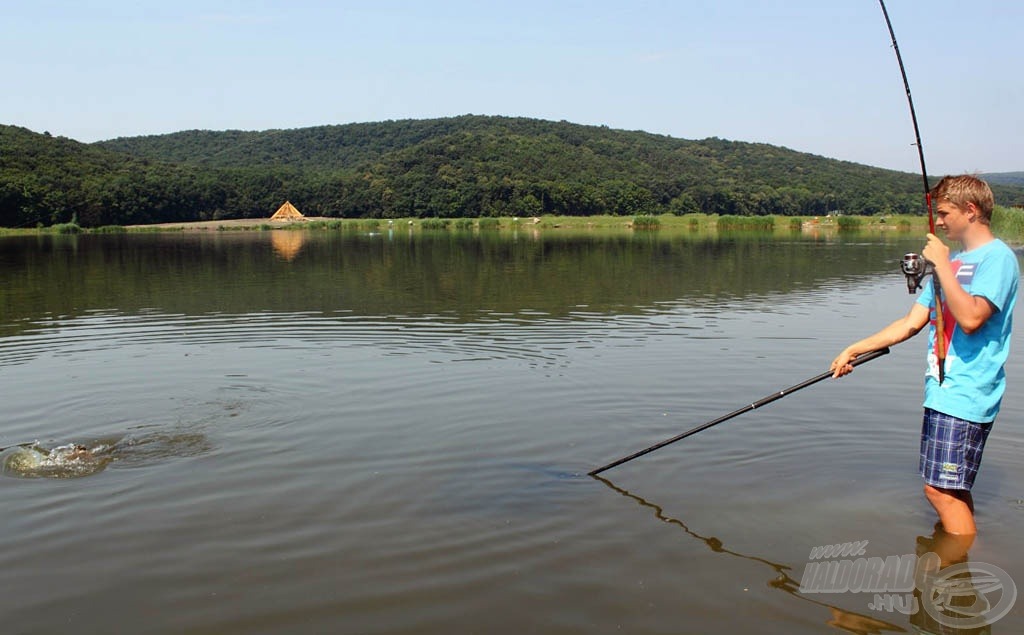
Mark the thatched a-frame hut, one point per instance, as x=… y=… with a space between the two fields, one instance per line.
x=287 y=212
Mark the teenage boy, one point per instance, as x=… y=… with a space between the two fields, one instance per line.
x=978 y=292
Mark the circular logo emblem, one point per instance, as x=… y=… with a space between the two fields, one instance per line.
x=962 y=595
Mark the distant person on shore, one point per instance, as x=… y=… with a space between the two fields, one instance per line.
x=979 y=289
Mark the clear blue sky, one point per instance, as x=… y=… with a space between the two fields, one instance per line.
x=817 y=76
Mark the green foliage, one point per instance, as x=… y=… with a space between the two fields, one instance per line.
x=488 y=223
x=1008 y=221
x=730 y=222
x=460 y=167
x=646 y=221
x=699 y=221
x=316 y=225
x=848 y=223
x=1004 y=178
x=464 y=223
x=109 y=229
x=434 y=223
x=67 y=228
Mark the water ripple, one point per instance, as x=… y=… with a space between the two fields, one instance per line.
x=538 y=338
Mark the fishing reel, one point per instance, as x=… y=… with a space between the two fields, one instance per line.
x=915 y=268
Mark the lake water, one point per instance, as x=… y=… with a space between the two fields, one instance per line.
x=328 y=432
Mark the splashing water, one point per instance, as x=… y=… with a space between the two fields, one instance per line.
x=64 y=461
x=75 y=460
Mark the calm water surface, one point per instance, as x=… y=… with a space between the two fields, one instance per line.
x=327 y=433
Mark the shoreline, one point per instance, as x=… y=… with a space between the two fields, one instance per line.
x=666 y=222
x=233 y=224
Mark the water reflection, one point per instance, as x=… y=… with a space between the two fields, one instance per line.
x=450 y=274
x=104 y=291
x=287 y=243
x=953 y=594
x=959 y=600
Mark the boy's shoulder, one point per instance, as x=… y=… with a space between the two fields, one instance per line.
x=999 y=245
x=995 y=249
x=1004 y=252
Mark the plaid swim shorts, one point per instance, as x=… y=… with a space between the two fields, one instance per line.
x=951 y=450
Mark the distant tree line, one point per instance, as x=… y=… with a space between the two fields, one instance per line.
x=466 y=166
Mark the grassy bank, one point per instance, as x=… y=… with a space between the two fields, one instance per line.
x=1008 y=223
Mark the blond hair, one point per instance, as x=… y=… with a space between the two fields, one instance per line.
x=964 y=189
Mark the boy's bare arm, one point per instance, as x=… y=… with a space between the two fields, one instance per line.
x=899 y=331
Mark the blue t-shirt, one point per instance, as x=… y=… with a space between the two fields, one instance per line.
x=974 y=377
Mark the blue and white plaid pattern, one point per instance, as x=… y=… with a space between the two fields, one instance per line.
x=951 y=450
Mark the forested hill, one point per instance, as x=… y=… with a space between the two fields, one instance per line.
x=460 y=166
x=47 y=180
x=1005 y=178
x=320 y=147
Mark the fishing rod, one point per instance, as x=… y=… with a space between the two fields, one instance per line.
x=908 y=268
x=867 y=357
